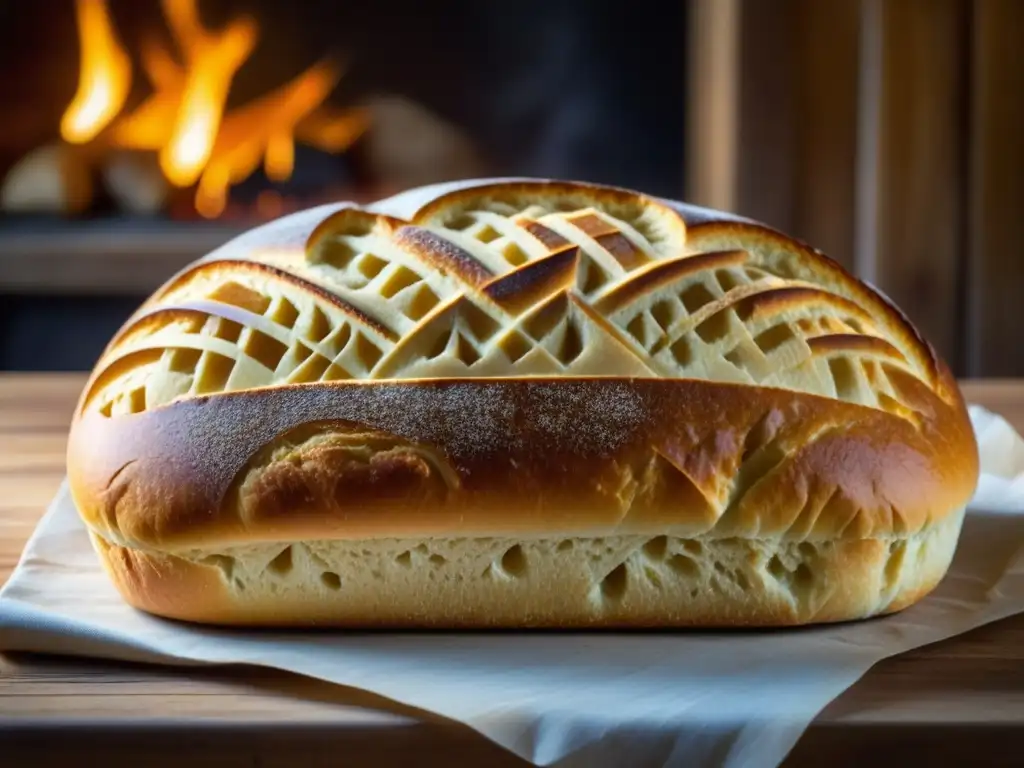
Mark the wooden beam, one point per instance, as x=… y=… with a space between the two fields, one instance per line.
x=769 y=108
x=826 y=124
x=712 y=103
x=996 y=268
x=921 y=166
x=797 y=125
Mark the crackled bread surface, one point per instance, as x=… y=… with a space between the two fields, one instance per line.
x=512 y=281
x=506 y=367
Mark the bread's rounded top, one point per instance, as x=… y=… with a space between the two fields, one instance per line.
x=516 y=357
x=512 y=279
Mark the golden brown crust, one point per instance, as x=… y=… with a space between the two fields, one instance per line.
x=528 y=360
x=483 y=457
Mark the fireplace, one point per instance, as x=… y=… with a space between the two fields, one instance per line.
x=140 y=134
x=182 y=117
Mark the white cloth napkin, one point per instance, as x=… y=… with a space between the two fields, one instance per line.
x=573 y=699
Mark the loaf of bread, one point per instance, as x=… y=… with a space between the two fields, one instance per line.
x=520 y=403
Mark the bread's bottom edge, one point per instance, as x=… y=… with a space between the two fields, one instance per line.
x=608 y=582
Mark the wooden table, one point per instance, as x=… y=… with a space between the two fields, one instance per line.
x=957 y=702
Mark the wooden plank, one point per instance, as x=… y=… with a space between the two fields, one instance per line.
x=985 y=664
x=921 y=166
x=240 y=716
x=996 y=300
x=769 y=103
x=712 y=103
x=262 y=743
x=27 y=454
x=797 y=129
x=28 y=495
x=16 y=526
x=35 y=412
x=38 y=402
x=826 y=130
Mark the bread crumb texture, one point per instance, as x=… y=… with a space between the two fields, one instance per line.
x=604 y=581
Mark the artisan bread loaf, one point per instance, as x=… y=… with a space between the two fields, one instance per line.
x=519 y=403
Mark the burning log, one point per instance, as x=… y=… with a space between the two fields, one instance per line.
x=50 y=178
x=135 y=182
x=409 y=145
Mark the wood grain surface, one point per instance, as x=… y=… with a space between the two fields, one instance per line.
x=957 y=702
x=797 y=119
x=996 y=268
x=921 y=187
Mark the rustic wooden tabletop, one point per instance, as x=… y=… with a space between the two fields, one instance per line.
x=957 y=702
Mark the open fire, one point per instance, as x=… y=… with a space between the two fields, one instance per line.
x=184 y=120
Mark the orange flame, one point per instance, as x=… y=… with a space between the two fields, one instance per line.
x=149 y=126
x=184 y=119
x=211 y=61
x=104 y=77
x=333 y=131
x=280 y=158
x=250 y=134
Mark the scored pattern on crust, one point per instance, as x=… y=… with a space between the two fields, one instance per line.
x=517 y=280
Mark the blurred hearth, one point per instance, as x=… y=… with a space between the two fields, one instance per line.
x=180 y=134
x=139 y=135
